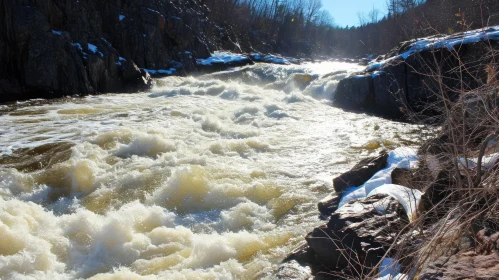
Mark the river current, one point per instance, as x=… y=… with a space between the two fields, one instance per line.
x=210 y=177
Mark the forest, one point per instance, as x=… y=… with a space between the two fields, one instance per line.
x=303 y=28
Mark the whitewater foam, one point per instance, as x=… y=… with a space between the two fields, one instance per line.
x=210 y=177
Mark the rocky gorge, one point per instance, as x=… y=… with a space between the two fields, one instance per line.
x=55 y=48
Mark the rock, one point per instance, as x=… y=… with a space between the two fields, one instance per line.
x=221 y=66
x=430 y=206
x=329 y=204
x=487 y=242
x=408 y=89
x=355 y=93
x=358 y=233
x=390 y=91
x=303 y=254
x=467 y=265
x=45 y=45
x=291 y=271
x=360 y=173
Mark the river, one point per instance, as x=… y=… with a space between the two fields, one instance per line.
x=210 y=177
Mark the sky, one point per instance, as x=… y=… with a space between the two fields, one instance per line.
x=345 y=12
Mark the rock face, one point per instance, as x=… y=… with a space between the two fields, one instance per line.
x=464 y=266
x=52 y=48
x=355 y=239
x=406 y=85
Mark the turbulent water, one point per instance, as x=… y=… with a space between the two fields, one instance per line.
x=213 y=177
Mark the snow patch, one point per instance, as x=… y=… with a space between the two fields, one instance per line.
x=122 y=17
x=269 y=59
x=390 y=270
x=93 y=49
x=55 y=32
x=80 y=48
x=487 y=161
x=222 y=58
x=78 y=45
x=154 y=11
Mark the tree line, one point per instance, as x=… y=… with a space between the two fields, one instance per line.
x=292 y=27
x=412 y=19
x=304 y=28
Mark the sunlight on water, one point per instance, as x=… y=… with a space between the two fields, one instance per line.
x=211 y=177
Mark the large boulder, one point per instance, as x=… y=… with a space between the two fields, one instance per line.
x=358 y=234
x=47 y=60
x=355 y=93
x=390 y=89
x=417 y=84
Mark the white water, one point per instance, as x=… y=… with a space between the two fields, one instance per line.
x=215 y=177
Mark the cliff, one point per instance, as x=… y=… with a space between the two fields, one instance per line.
x=53 y=48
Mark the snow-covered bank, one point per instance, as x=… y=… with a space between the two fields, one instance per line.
x=222 y=57
x=438 y=42
x=230 y=58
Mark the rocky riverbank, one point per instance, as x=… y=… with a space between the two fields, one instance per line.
x=375 y=227
x=425 y=214
x=415 y=79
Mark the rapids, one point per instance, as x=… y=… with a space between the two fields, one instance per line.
x=210 y=177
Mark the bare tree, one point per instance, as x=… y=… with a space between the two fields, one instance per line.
x=311 y=9
x=362 y=18
x=373 y=15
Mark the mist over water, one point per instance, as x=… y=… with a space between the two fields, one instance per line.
x=210 y=177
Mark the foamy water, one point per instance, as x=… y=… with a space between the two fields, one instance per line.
x=214 y=177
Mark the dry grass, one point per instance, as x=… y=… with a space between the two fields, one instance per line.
x=461 y=199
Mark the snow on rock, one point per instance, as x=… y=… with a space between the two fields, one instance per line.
x=487 y=161
x=381 y=182
x=120 y=59
x=436 y=42
x=269 y=59
x=80 y=48
x=55 y=32
x=93 y=49
x=222 y=58
x=153 y=72
x=390 y=270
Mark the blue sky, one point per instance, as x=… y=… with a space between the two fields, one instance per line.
x=345 y=12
